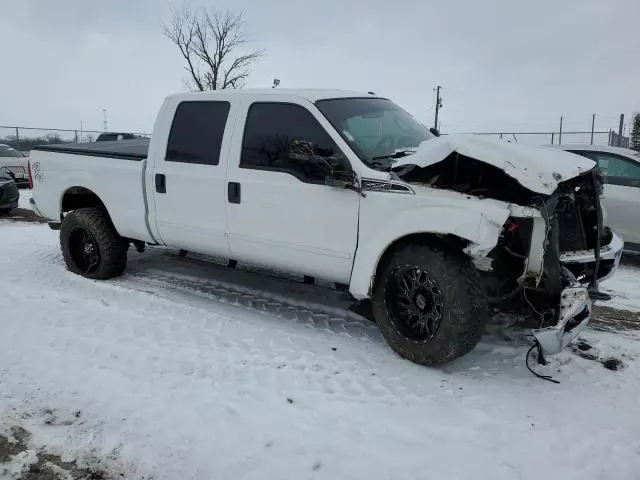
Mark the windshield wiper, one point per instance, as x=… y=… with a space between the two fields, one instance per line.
x=397 y=154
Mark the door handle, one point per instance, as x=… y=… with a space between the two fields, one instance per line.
x=233 y=192
x=161 y=183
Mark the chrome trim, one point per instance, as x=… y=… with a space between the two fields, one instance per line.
x=612 y=251
x=573 y=301
x=386 y=186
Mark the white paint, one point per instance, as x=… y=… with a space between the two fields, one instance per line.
x=538 y=169
x=118 y=183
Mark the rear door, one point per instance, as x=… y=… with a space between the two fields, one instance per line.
x=621 y=193
x=280 y=212
x=188 y=180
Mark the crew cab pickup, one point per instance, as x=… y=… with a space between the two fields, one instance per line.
x=349 y=188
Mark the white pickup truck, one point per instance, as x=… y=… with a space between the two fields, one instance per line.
x=349 y=188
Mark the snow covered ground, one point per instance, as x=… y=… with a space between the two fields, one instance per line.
x=23 y=200
x=187 y=370
x=624 y=287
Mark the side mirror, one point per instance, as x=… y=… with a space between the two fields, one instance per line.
x=341 y=180
x=328 y=164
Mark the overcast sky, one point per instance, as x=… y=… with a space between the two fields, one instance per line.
x=503 y=64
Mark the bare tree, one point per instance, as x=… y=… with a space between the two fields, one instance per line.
x=213 y=45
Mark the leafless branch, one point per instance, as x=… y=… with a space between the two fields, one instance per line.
x=212 y=44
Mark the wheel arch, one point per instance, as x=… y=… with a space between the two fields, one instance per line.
x=77 y=197
x=450 y=228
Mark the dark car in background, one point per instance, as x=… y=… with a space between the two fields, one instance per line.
x=8 y=192
x=115 y=136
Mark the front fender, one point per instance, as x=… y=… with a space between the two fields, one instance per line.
x=470 y=218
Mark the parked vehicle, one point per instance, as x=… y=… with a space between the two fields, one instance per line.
x=8 y=192
x=621 y=176
x=349 y=188
x=110 y=137
x=15 y=163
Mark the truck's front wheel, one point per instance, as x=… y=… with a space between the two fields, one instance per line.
x=91 y=247
x=429 y=304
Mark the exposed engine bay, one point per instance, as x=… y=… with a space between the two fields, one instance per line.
x=525 y=271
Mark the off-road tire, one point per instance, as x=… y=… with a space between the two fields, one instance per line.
x=465 y=312
x=112 y=247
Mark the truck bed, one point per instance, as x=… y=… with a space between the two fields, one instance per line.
x=122 y=149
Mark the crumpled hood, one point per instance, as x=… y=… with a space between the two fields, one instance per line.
x=538 y=169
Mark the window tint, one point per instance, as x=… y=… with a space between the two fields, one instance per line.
x=196 y=132
x=616 y=166
x=286 y=137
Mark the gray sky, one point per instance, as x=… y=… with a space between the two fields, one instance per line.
x=504 y=64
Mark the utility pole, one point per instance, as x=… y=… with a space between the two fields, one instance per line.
x=80 y=131
x=620 y=128
x=438 y=106
x=560 y=133
x=593 y=125
x=104 y=118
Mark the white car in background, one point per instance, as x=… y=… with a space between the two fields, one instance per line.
x=15 y=163
x=621 y=174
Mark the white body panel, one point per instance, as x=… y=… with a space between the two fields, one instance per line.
x=620 y=201
x=284 y=222
x=622 y=204
x=118 y=183
x=191 y=215
x=387 y=217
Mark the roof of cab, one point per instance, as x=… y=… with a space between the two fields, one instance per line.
x=311 y=95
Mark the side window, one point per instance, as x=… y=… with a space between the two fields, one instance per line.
x=196 y=132
x=618 y=170
x=287 y=138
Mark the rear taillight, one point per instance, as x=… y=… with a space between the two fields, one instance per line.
x=30 y=176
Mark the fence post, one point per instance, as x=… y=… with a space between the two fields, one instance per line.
x=560 y=133
x=593 y=124
x=17 y=136
x=553 y=135
x=501 y=135
x=76 y=135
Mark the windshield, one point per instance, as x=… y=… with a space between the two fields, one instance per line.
x=7 y=151
x=375 y=128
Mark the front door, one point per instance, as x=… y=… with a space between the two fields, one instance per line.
x=621 y=193
x=280 y=212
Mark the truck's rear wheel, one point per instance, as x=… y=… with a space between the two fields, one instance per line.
x=430 y=305
x=91 y=247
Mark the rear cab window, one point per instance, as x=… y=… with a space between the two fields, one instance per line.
x=197 y=132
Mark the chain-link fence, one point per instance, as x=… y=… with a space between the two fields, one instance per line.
x=555 y=138
x=25 y=138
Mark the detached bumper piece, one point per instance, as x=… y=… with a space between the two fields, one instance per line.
x=583 y=262
x=575 y=313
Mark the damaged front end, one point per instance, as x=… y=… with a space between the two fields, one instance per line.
x=553 y=249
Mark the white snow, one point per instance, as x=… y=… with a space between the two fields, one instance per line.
x=182 y=369
x=624 y=286
x=25 y=196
